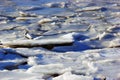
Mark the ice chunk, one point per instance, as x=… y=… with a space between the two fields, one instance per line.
x=70 y=76
x=49 y=69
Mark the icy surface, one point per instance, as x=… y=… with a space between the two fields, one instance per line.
x=59 y=39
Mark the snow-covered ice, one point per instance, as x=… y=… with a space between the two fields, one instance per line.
x=59 y=40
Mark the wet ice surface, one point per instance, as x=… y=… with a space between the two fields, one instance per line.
x=59 y=40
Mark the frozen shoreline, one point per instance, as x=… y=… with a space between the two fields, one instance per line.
x=59 y=40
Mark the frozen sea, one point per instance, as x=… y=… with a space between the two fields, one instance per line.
x=59 y=39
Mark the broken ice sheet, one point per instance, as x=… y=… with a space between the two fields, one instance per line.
x=94 y=32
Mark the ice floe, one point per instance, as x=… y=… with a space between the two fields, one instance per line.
x=59 y=40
